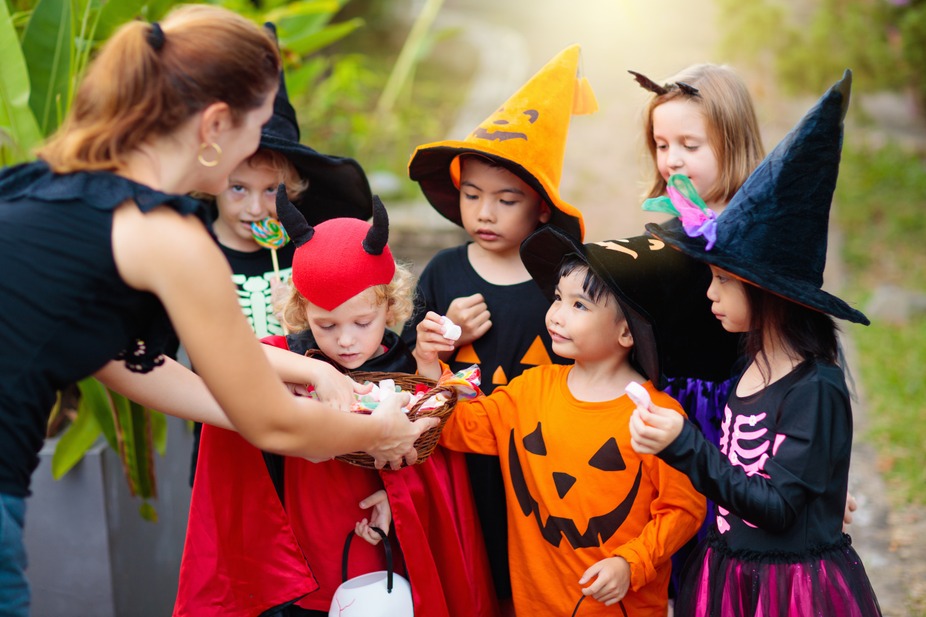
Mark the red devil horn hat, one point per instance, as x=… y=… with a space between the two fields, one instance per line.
x=339 y=258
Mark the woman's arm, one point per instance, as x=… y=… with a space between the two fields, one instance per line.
x=172 y=389
x=190 y=276
x=331 y=386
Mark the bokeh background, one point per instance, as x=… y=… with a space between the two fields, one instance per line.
x=374 y=78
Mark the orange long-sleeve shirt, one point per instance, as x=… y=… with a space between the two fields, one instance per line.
x=578 y=493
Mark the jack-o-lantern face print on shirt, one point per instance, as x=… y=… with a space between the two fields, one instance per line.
x=568 y=477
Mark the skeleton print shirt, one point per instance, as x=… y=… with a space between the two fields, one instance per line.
x=780 y=476
x=251 y=274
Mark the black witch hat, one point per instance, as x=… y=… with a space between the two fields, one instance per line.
x=338 y=186
x=661 y=293
x=773 y=233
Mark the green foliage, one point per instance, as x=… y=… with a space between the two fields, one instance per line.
x=912 y=29
x=893 y=358
x=806 y=44
x=19 y=132
x=880 y=202
x=49 y=35
x=880 y=197
x=132 y=430
x=343 y=110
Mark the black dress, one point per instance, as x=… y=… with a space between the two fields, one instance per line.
x=779 y=482
x=66 y=312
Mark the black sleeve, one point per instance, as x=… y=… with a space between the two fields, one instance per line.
x=814 y=430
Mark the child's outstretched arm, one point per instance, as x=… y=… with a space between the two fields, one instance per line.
x=654 y=428
x=813 y=436
x=612 y=580
x=380 y=517
x=431 y=342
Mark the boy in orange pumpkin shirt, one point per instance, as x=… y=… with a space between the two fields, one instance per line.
x=500 y=184
x=590 y=521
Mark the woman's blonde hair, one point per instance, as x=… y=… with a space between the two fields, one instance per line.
x=398 y=295
x=732 y=127
x=144 y=83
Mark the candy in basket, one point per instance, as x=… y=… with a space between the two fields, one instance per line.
x=429 y=399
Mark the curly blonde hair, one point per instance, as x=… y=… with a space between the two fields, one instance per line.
x=398 y=295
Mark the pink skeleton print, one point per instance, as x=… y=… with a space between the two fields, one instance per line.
x=744 y=449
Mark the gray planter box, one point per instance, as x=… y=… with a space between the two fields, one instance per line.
x=90 y=552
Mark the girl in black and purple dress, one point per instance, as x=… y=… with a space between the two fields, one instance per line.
x=780 y=475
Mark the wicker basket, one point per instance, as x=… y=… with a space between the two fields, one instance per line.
x=427 y=441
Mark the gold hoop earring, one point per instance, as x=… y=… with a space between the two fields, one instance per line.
x=202 y=150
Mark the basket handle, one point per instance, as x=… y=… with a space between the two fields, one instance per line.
x=386 y=545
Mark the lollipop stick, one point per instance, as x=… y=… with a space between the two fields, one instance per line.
x=276 y=264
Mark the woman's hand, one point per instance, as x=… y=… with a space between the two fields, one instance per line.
x=654 y=428
x=397 y=434
x=380 y=517
x=333 y=387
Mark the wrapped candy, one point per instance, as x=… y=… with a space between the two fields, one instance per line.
x=451 y=330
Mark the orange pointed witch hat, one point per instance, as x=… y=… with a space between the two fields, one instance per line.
x=526 y=135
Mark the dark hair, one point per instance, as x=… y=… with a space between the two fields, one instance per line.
x=593 y=284
x=134 y=89
x=803 y=331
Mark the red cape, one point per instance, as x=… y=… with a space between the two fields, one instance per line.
x=242 y=556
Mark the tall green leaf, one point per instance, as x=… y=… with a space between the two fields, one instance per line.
x=48 y=45
x=114 y=14
x=135 y=448
x=16 y=118
x=297 y=37
x=83 y=431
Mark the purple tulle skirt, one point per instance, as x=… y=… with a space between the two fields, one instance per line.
x=826 y=582
x=704 y=402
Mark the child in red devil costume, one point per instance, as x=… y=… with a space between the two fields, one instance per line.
x=271 y=543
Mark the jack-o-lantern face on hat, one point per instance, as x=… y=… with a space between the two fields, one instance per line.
x=567 y=478
x=526 y=135
x=503 y=126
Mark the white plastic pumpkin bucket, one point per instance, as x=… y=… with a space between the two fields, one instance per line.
x=375 y=594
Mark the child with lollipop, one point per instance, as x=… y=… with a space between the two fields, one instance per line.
x=320 y=185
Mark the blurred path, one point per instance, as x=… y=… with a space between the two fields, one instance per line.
x=604 y=163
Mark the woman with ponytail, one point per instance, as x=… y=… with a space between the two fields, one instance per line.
x=105 y=256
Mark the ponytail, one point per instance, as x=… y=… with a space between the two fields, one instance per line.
x=148 y=79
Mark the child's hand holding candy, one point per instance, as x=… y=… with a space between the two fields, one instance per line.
x=435 y=336
x=654 y=428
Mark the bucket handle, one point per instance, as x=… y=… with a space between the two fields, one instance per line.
x=386 y=545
